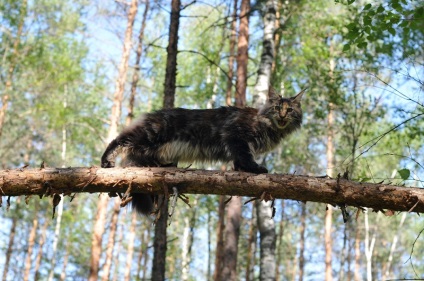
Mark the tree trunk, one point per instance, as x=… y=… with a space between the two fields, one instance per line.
x=13 y=63
x=232 y=233
x=219 y=252
x=330 y=171
x=143 y=251
x=242 y=54
x=97 y=237
x=31 y=242
x=136 y=73
x=48 y=181
x=266 y=228
x=393 y=247
x=266 y=223
x=111 y=241
x=210 y=230
x=146 y=255
x=116 y=260
x=65 y=260
x=357 y=274
x=302 y=242
x=99 y=225
x=171 y=59
x=56 y=238
x=251 y=245
x=130 y=251
x=187 y=243
x=118 y=96
x=11 y=239
x=233 y=36
x=40 y=249
x=267 y=58
x=280 y=243
x=369 y=244
x=159 y=245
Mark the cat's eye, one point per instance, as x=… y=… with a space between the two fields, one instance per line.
x=289 y=109
x=277 y=107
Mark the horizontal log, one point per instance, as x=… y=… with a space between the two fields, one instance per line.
x=48 y=181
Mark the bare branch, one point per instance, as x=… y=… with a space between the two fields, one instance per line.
x=190 y=181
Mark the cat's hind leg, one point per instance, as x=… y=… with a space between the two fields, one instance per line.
x=243 y=158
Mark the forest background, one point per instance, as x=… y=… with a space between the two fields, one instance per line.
x=62 y=64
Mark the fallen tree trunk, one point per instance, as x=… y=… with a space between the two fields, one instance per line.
x=49 y=181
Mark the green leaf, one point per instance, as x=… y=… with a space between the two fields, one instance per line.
x=351 y=26
x=367 y=7
x=346 y=47
x=392 y=31
x=367 y=20
x=404 y=173
x=380 y=9
x=362 y=45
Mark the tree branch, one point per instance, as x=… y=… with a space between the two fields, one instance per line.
x=48 y=181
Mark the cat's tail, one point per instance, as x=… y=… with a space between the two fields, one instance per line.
x=142 y=203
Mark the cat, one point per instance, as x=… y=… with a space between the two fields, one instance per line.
x=168 y=136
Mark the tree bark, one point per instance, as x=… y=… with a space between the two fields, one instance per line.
x=160 y=243
x=48 y=181
x=187 y=243
x=357 y=274
x=280 y=243
x=111 y=241
x=171 y=59
x=41 y=242
x=12 y=234
x=56 y=238
x=302 y=242
x=130 y=251
x=65 y=260
x=232 y=233
x=267 y=58
x=97 y=237
x=118 y=96
x=219 y=253
x=266 y=226
x=242 y=54
x=136 y=73
x=31 y=242
x=251 y=245
x=233 y=35
x=99 y=225
x=13 y=63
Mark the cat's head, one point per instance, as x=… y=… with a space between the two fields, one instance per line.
x=284 y=113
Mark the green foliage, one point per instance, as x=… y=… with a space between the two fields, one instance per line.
x=404 y=173
x=394 y=27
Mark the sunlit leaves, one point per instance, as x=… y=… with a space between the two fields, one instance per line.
x=404 y=173
x=393 y=22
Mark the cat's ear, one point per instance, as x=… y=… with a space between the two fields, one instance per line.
x=297 y=98
x=272 y=93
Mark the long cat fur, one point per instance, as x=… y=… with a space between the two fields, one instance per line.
x=169 y=136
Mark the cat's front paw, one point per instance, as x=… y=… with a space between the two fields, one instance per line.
x=253 y=168
x=108 y=164
x=260 y=170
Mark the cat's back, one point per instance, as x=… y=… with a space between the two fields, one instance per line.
x=199 y=117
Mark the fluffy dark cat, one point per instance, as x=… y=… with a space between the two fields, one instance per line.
x=168 y=136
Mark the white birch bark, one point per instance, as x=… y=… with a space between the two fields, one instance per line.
x=264 y=72
x=266 y=224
